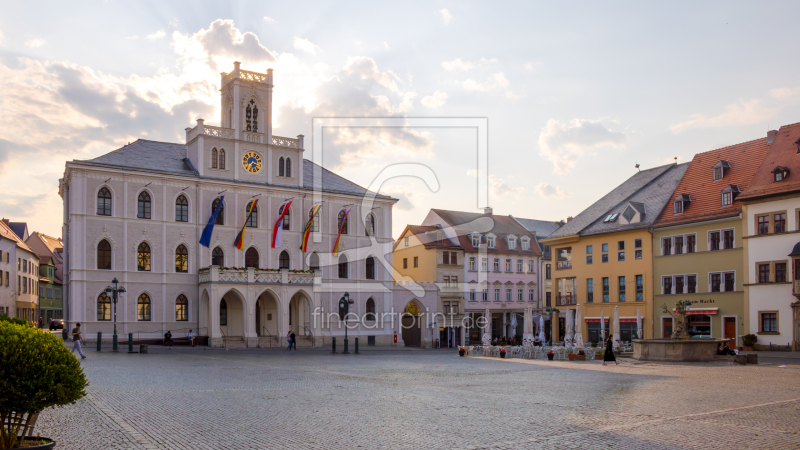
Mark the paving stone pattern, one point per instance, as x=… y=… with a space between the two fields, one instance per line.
x=393 y=398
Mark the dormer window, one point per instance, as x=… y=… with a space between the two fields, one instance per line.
x=512 y=242
x=611 y=218
x=633 y=213
x=490 y=241
x=476 y=240
x=720 y=168
x=526 y=244
x=780 y=173
x=729 y=194
x=680 y=203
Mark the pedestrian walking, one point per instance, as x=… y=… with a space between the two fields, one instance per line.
x=76 y=336
x=293 y=342
x=289 y=340
x=190 y=336
x=608 y=355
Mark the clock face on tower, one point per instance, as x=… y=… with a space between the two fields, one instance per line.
x=251 y=162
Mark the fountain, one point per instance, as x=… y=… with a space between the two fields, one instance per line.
x=680 y=347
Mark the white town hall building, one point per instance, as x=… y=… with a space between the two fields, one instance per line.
x=137 y=214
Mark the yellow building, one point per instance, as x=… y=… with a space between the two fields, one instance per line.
x=603 y=258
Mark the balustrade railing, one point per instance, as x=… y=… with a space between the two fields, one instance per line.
x=214 y=274
x=564 y=265
x=566 y=300
x=285 y=142
x=257 y=138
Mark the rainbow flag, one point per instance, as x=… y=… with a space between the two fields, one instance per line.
x=339 y=237
x=307 y=231
x=276 y=232
x=239 y=242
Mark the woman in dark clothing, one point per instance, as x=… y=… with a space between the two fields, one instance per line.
x=608 y=354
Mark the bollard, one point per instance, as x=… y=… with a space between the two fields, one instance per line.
x=114 y=343
x=333 y=346
x=130 y=342
x=345 y=352
x=356 y=352
x=99 y=340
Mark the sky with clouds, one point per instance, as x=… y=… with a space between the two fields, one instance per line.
x=575 y=95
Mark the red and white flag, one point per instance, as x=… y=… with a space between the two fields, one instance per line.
x=276 y=232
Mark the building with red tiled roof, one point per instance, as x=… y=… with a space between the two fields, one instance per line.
x=19 y=275
x=771 y=231
x=697 y=243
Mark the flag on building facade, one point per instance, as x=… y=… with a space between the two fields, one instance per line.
x=239 y=241
x=339 y=237
x=205 y=238
x=276 y=232
x=307 y=231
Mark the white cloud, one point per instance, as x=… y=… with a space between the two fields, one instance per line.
x=446 y=16
x=499 y=187
x=460 y=65
x=785 y=93
x=740 y=113
x=269 y=19
x=35 y=43
x=385 y=44
x=131 y=38
x=563 y=144
x=1 y=36
x=157 y=35
x=497 y=80
x=548 y=191
x=533 y=65
x=434 y=101
x=367 y=69
x=306 y=45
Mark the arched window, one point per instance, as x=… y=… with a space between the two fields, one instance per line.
x=222 y=159
x=103 y=307
x=249 y=116
x=280 y=167
x=213 y=158
x=252 y=222
x=315 y=224
x=342 y=266
x=143 y=308
x=221 y=215
x=104 y=202
x=339 y=223
x=370 y=313
x=283 y=261
x=181 y=209
x=369 y=225
x=251 y=257
x=104 y=255
x=143 y=257
x=313 y=261
x=181 y=259
x=223 y=312
x=287 y=218
x=288 y=167
x=143 y=211
x=181 y=309
x=370 y=268
x=217 y=257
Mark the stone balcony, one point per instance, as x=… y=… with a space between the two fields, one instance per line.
x=250 y=275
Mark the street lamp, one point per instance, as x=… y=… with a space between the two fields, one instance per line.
x=114 y=291
x=344 y=305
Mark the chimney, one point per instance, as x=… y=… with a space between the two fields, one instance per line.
x=487 y=210
x=569 y=219
x=771 y=136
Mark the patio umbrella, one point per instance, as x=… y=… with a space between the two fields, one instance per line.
x=578 y=336
x=541 y=329
x=616 y=327
x=487 y=327
x=568 y=331
x=602 y=328
x=527 y=326
x=639 y=323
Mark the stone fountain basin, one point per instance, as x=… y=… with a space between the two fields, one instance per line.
x=690 y=350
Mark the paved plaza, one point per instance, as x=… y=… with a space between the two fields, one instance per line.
x=193 y=398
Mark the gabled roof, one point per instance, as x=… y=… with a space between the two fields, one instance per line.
x=650 y=189
x=706 y=194
x=501 y=226
x=52 y=245
x=20 y=229
x=7 y=233
x=169 y=158
x=427 y=236
x=782 y=152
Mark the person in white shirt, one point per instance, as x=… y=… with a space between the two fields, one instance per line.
x=190 y=335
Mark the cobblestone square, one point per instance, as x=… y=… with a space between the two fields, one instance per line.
x=193 y=398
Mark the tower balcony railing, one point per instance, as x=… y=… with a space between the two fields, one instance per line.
x=251 y=275
x=248 y=136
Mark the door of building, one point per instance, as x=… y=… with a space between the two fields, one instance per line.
x=411 y=330
x=730 y=331
x=666 y=327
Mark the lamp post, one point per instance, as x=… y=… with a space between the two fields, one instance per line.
x=550 y=311
x=344 y=305
x=114 y=291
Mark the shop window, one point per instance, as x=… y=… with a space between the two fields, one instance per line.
x=698 y=325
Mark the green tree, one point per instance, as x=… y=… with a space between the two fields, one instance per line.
x=37 y=372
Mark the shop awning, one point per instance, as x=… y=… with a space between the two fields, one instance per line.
x=597 y=319
x=705 y=311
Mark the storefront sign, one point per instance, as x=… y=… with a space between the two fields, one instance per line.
x=692 y=312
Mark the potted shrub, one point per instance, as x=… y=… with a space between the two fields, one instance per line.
x=570 y=355
x=462 y=351
x=580 y=356
x=550 y=355
x=502 y=353
x=594 y=344
x=599 y=354
x=749 y=340
x=38 y=372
